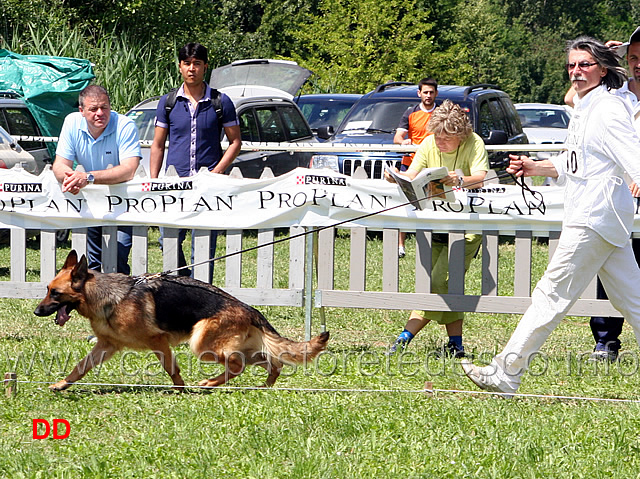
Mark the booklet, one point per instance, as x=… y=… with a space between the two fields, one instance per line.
x=425 y=186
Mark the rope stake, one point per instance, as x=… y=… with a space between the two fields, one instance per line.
x=11 y=384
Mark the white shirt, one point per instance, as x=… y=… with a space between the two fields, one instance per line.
x=602 y=144
x=632 y=100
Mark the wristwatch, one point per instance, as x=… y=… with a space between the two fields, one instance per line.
x=460 y=181
x=90 y=178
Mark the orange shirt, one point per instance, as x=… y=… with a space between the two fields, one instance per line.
x=414 y=121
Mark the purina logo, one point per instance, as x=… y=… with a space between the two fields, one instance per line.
x=320 y=180
x=21 y=187
x=153 y=186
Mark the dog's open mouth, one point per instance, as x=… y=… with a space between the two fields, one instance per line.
x=62 y=316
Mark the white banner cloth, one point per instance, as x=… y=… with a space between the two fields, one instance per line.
x=302 y=197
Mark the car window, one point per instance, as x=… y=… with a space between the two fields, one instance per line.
x=486 y=120
x=325 y=113
x=295 y=123
x=248 y=126
x=499 y=117
x=270 y=124
x=145 y=121
x=378 y=115
x=543 y=118
x=511 y=117
x=20 y=122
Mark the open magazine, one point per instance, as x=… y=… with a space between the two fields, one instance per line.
x=425 y=186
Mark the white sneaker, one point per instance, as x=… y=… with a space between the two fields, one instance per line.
x=401 y=252
x=486 y=378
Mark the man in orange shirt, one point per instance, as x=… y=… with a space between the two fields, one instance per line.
x=413 y=129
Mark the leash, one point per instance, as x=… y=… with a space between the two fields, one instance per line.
x=518 y=181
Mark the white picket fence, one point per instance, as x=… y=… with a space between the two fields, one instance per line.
x=303 y=262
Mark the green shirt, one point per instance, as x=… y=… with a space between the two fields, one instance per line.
x=470 y=156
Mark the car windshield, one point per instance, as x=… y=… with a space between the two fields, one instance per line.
x=145 y=121
x=376 y=116
x=324 y=111
x=280 y=74
x=543 y=118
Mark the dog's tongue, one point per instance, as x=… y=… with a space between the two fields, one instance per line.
x=62 y=316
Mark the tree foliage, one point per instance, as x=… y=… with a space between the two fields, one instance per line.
x=351 y=45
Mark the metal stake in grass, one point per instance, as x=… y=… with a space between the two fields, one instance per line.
x=11 y=384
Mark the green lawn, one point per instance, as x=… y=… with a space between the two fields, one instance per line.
x=353 y=413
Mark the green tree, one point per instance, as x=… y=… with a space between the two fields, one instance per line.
x=355 y=45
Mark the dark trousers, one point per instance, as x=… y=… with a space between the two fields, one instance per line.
x=94 y=248
x=606 y=330
x=213 y=235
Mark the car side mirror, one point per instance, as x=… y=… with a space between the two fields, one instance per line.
x=325 y=132
x=496 y=137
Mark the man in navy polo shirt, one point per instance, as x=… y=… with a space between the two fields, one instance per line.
x=194 y=130
x=96 y=138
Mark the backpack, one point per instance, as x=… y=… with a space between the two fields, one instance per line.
x=216 y=101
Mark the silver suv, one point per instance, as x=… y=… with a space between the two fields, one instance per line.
x=17 y=120
x=262 y=92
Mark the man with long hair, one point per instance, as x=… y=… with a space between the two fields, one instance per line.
x=598 y=214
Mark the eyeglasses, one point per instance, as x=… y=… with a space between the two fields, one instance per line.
x=581 y=65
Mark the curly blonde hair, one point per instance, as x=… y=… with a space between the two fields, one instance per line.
x=450 y=119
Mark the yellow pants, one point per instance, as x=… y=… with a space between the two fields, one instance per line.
x=440 y=276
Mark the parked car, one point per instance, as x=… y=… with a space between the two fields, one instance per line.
x=325 y=111
x=12 y=154
x=375 y=117
x=544 y=124
x=17 y=120
x=266 y=113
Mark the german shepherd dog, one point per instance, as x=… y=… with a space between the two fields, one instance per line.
x=158 y=312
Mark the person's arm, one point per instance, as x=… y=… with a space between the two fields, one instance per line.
x=569 y=96
x=235 y=143
x=156 y=156
x=61 y=166
x=453 y=179
x=522 y=165
x=73 y=180
x=401 y=138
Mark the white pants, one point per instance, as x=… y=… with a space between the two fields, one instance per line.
x=581 y=254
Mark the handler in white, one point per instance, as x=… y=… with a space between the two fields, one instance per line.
x=598 y=214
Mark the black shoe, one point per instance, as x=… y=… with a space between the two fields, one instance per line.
x=451 y=350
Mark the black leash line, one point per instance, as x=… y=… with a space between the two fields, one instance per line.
x=522 y=184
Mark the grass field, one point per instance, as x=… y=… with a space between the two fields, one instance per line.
x=353 y=413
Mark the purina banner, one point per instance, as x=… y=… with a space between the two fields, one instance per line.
x=302 y=197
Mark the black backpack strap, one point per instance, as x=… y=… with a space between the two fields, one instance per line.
x=171 y=101
x=216 y=101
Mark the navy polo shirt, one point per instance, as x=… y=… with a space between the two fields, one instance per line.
x=194 y=134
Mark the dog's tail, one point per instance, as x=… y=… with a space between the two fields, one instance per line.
x=292 y=352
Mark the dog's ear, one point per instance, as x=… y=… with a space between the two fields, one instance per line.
x=72 y=259
x=79 y=274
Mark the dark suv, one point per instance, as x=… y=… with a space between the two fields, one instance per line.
x=375 y=117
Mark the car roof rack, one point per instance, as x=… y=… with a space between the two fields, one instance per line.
x=9 y=94
x=392 y=84
x=479 y=86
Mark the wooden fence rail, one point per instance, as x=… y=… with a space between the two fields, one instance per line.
x=299 y=291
